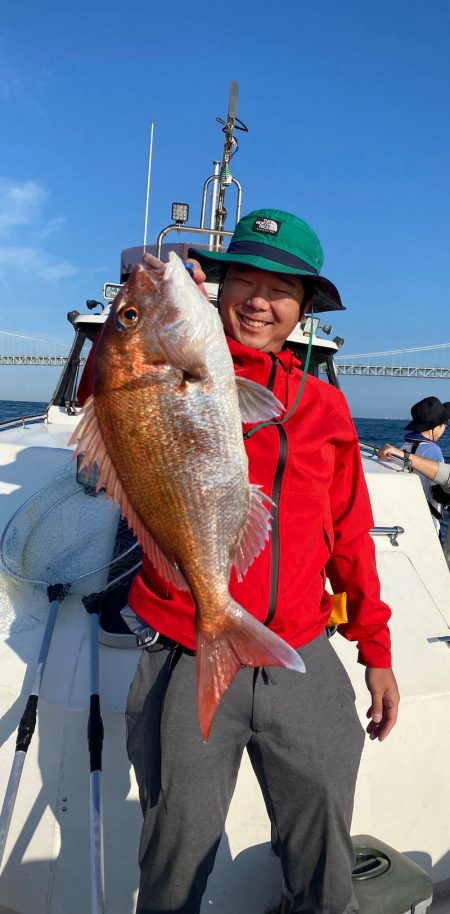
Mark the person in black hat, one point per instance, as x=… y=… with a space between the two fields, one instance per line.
x=428 y=415
x=429 y=421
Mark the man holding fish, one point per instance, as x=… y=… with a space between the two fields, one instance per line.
x=242 y=479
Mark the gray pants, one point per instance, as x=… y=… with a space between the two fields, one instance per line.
x=304 y=741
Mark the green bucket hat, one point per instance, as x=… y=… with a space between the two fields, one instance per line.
x=271 y=239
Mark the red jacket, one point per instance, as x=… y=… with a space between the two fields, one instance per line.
x=311 y=468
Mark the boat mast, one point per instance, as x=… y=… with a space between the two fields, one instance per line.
x=231 y=146
x=220 y=180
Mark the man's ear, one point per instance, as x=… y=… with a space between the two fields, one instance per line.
x=305 y=306
x=308 y=295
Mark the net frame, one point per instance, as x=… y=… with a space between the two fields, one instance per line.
x=33 y=519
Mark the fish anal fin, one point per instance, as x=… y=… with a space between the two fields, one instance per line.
x=243 y=641
x=256 y=403
x=91 y=447
x=256 y=531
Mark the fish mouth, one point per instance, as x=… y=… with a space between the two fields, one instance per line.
x=253 y=323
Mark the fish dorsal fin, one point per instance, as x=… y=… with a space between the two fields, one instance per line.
x=256 y=403
x=256 y=531
x=90 y=444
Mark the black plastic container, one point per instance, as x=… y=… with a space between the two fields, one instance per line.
x=386 y=882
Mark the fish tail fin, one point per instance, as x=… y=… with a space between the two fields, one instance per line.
x=241 y=641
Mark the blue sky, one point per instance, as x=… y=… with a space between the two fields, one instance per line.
x=347 y=106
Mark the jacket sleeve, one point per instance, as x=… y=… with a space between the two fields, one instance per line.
x=352 y=566
x=442 y=477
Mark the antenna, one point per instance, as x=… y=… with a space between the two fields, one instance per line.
x=232 y=102
x=149 y=171
x=231 y=146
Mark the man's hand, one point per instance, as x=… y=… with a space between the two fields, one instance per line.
x=194 y=268
x=388 y=451
x=385 y=699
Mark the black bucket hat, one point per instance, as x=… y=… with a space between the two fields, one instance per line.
x=427 y=414
x=271 y=239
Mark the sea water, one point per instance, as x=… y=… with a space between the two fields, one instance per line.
x=12 y=409
x=370 y=431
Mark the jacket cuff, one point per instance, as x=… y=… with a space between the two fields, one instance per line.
x=375 y=655
x=442 y=475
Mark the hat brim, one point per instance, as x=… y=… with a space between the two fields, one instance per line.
x=422 y=427
x=325 y=295
x=417 y=427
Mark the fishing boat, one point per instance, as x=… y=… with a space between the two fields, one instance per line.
x=70 y=821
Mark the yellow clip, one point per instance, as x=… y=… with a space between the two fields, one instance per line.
x=339 y=611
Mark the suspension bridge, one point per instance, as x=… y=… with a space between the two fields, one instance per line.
x=419 y=362
x=16 y=349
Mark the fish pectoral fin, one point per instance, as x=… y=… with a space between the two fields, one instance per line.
x=243 y=641
x=256 y=403
x=184 y=350
x=255 y=533
x=91 y=446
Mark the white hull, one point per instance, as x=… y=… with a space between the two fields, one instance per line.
x=403 y=793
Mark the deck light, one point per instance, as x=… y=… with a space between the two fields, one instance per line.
x=339 y=341
x=111 y=289
x=180 y=213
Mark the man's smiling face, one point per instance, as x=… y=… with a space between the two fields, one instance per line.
x=260 y=308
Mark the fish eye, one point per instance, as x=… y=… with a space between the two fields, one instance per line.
x=127 y=317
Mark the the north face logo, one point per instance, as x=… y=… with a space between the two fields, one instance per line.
x=271 y=226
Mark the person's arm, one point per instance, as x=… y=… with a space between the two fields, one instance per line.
x=383 y=711
x=352 y=568
x=439 y=473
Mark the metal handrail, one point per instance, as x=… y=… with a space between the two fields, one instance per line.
x=391 y=532
x=193 y=230
x=204 y=202
x=10 y=423
x=372 y=450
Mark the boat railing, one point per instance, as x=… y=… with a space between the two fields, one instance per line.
x=368 y=450
x=22 y=420
x=190 y=229
x=391 y=532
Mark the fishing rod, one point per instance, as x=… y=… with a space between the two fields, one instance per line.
x=94 y=604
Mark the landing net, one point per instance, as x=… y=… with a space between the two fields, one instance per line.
x=64 y=534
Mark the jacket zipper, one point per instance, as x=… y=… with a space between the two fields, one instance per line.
x=279 y=472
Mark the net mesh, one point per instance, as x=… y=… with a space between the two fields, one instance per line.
x=64 y=534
